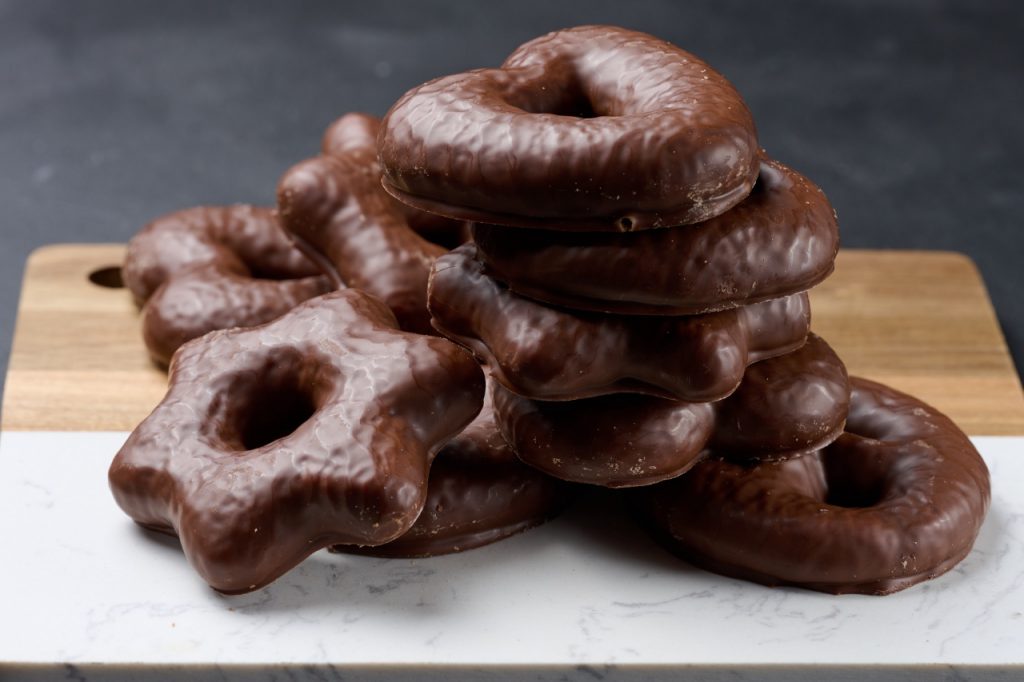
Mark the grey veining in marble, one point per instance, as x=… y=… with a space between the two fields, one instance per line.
x=584 y=597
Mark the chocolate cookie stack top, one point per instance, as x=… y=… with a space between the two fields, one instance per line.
x=637 y=281
x=636 y=289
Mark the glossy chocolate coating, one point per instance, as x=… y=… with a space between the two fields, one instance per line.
x=241 y=239
x=210 y=268
x=335 y=210
x=625 y=440
x=785 y=408
x=479 y=492
x=594 y=127
x=275 y=441
x=782 y=239
x=616 y=441
x=214 y=296
x=355 y=132
x=897 y=499
x=549 y=353
x=352 y=133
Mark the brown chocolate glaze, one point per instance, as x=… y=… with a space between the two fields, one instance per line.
x=210 y=268
x=616 y=441
x=241 y=239
x=549 y=353
x=625 y=440
x=352 y=133
x=213 y=296
x=782 y=239
x=594 y=128
x=276 y=441
x=897 y=499
x=785 y=408
x=479 y=492
x=336 y=212
x=355 y=132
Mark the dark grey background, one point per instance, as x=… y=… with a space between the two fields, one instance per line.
x=908 y=114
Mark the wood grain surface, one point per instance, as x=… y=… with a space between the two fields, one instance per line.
x=920 y=321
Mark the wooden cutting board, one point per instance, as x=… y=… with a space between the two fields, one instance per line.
x=917 y=320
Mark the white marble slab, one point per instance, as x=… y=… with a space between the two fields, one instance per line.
x=84 y=592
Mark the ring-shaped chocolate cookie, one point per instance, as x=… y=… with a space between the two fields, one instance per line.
x=275 y=441
x=789 y=405
x=247 y=238
x=214 y=267
x=215 y=296
x=478 y=493
x=594 y=127
x=782 y=239
x=899 y=498
x=354 y=132
x=548 y=353
x=334 y=209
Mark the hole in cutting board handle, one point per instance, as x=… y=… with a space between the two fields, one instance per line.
x=109 y=277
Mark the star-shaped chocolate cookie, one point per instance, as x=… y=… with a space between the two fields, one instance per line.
x=316 y=429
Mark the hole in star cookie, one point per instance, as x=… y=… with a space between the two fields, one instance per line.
x=108 y=277
x=264 y=405
x=274 y=415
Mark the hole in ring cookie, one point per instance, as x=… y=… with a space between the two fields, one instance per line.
x=567 y=98
x=268 y=402
x=844 y=489
x=259 y=270
x=574 y=106
x=108 y=277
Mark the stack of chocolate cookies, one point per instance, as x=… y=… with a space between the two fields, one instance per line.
x=605 y=392
x=636 y=289
x=637 y=286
